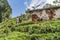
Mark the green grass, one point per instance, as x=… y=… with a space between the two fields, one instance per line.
x=43 y=30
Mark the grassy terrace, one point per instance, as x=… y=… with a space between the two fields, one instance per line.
x=44 y=30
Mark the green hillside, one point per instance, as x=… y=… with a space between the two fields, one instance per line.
x=10 y=30
x=44 y=30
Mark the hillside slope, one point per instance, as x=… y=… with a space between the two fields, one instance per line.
x=46 y=30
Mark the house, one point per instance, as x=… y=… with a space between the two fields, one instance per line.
x=45 y=14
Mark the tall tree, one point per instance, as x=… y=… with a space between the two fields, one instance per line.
x=5 y=10
x=57 y=2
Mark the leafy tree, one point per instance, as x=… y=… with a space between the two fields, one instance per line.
x=27 y=11
x=56 y=2
x=5 y=10
x=23 y=16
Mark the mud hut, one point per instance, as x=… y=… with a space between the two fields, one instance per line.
x=45 y=14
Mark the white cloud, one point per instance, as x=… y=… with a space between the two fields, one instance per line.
x=26 y=3
x=50 y=1
x=34 y=3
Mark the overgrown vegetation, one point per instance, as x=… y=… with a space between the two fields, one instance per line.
x=5 y=10
x=47 y=30
x=10 y=30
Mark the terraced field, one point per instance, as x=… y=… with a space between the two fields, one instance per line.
x=44 y=30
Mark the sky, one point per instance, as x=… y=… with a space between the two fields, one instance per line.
x=19 y=6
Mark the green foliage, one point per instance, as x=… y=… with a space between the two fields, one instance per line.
x=27 y=11
x=5 y=10
x=47 y=30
